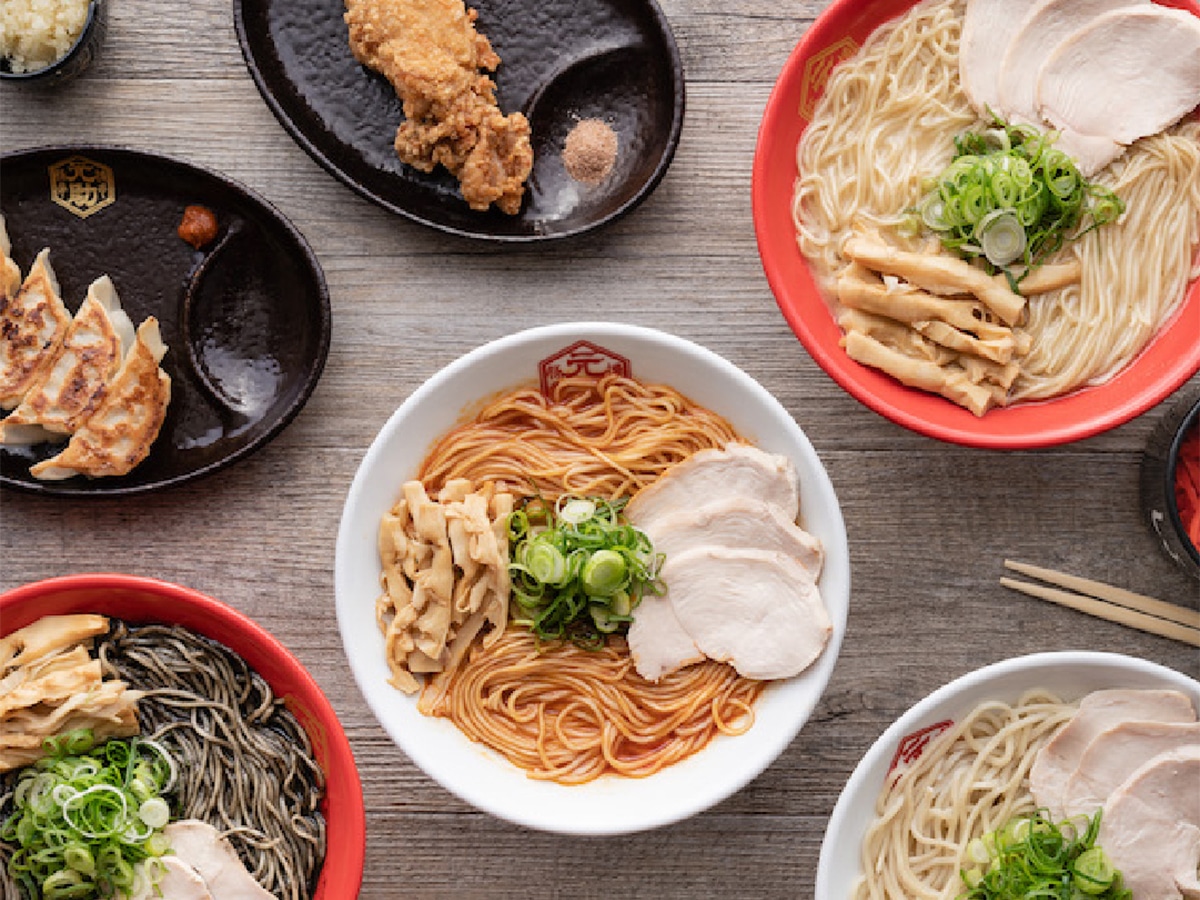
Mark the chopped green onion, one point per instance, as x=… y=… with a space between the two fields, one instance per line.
x=977 y=851
x=604 y=573
x=155 y=812
x=79 y=826
x=574 y=510
x=546 y=563
x=1031 y=856
x=1094 y=871
x=577 y=569
x=79 y=858
x=1001 y=237
x=605 y=623
x=1011 y=179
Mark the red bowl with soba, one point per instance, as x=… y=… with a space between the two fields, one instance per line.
x=592 y=578
x=104 y=667
x=978 y=226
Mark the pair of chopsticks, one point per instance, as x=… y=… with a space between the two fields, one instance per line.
x=1107 y=602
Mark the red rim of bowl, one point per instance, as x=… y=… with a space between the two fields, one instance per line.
x=1171 y=357
x=131 y=597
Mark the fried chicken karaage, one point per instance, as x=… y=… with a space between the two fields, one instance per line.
x=433 y=56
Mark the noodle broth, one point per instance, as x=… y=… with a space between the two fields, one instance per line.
x=1167 y=358
x=484 y=777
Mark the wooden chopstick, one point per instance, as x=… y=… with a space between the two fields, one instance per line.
x=1102 y=591
x=1110 y=603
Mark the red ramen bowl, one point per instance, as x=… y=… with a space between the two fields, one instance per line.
x=137 y=599
x=1163 y=365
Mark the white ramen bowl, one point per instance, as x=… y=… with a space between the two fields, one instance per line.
x=1070 y=675
x=483 y=778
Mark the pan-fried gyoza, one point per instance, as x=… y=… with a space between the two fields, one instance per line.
x=89 y=379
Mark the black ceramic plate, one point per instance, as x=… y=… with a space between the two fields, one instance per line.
x=246 y=319
x=561 y=61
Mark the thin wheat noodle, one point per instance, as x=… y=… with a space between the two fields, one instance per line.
x=570 y=715
x=886 y=124
x=1135 y=271
x=559 y=712
x=605 y=438
x=970 y=780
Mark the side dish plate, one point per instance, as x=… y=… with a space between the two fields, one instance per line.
x=246 y=319
x=614 y=60
x=1169 y=360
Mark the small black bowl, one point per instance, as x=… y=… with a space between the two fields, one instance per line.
x=74 y=61
x=1159 y=465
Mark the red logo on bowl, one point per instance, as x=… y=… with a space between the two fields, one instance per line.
x=913 y=745
x=817 y=70
x=581 y=358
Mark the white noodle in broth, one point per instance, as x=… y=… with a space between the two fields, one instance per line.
x=886 y=123
x=971 y=779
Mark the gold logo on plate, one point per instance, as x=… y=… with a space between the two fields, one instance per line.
x=82 y=186
x=817 y=70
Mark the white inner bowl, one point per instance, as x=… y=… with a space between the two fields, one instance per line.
x=610 y=804
x=1070 y=675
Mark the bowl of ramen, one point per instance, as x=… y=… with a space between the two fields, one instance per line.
x=1080 y=737
x=974 y=268
x=643 y=585
x=106 y=668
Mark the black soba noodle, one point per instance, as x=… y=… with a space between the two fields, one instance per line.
x=248 y=764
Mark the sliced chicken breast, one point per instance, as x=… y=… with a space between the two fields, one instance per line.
x=1150 y=828
x=1098 y=711
x=1114 y=754
x=1129 y=73
x=735 y=522
x=737 y=470
x=657 y=642
x=174 y=880
x=201 y=846
x=758 y=610
x=1047 y=24
x=988 y=28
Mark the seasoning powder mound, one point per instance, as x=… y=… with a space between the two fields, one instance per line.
x=590 y=151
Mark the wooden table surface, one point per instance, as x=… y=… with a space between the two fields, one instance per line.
x=929 y=523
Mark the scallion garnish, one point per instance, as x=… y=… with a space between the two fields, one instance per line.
x=578 y=570
x=84 y=816
x=1035 y=857
x=1009 y=196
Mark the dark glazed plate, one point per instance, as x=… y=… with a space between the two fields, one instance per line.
x=246 y=319
x=561 y=61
